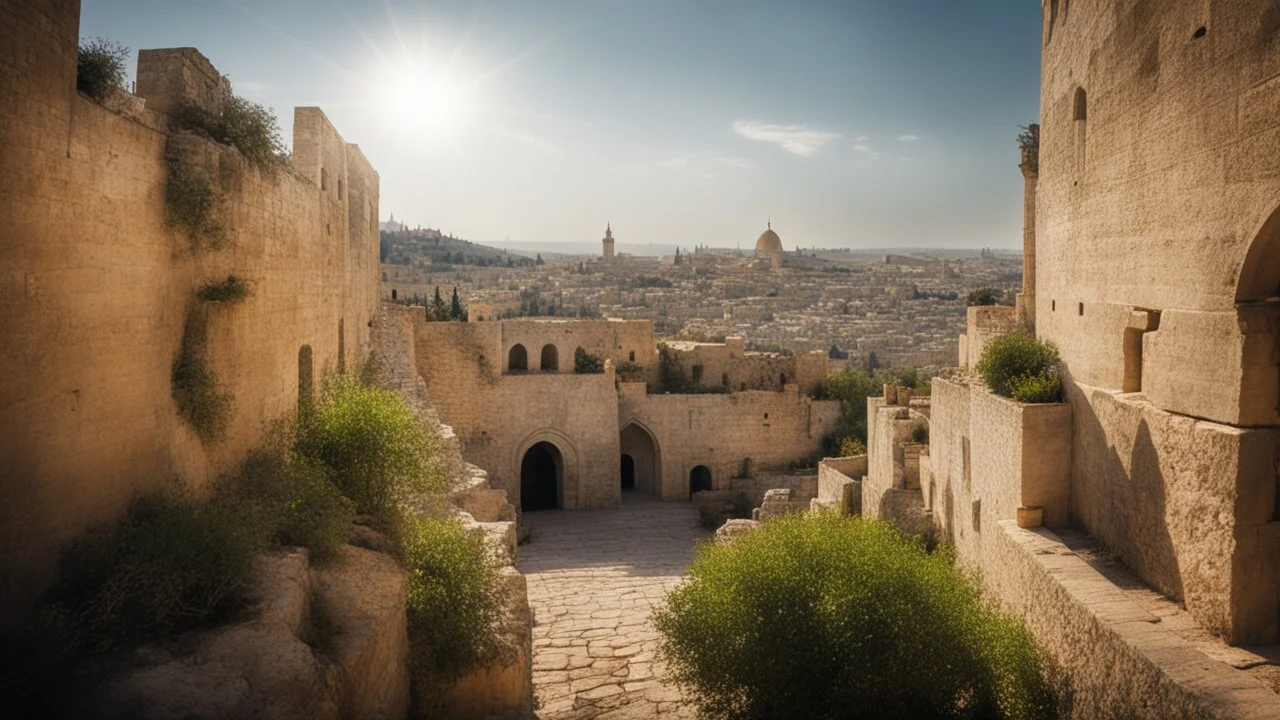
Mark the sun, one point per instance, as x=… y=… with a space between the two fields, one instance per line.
x=423 y=99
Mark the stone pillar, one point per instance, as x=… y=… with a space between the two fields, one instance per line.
x=1026 y=302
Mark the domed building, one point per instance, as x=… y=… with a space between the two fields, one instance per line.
x=769 y=247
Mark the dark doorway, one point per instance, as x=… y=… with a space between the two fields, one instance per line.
x=628 y=472
x=541 y=473
x=699 y=479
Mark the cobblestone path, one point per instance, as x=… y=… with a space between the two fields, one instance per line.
x=594 y=576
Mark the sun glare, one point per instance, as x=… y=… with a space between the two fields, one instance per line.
x=424 y=100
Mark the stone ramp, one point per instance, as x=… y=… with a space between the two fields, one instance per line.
x=594 y=577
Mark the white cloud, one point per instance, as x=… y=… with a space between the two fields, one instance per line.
x=908 y=138
x=862 y=148
x=796 y=139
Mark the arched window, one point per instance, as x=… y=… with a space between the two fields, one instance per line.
x=550 y=358
x=517 y=359
x=1080 y=105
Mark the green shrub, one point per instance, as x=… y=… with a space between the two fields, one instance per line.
x=1018 y=356
x=852 y=446
x=829 y=616
x=231 y=290
x=985 y=296
x=375 y=447
x=294 y=501
x=170 y=564
x=248 y=127
x=456 y=597
x=1043 y=388
x=100 y=67
x=191 y=202
x=194 y=385
x=585 y=362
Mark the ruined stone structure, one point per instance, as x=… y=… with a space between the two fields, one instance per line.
x=555 y=438
x=97 y=285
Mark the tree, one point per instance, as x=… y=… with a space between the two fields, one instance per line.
x=539 y=261
x=438 y=311
x=835 y=353
x=455 y=307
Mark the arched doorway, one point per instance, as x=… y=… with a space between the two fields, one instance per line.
x=699 y=479
x=628 y=472
x=517 y=359
x=550 y=358
x=541 y=477
x=641 y=451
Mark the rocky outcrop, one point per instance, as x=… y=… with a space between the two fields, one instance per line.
x=315 y=644
x=733 y=529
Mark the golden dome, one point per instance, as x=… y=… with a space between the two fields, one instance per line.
x=769 y=241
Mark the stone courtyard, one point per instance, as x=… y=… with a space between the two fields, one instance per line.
x=594 y=578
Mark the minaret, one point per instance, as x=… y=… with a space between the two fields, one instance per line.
x=608 y=244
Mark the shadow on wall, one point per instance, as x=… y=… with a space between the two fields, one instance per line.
x=1125 y=509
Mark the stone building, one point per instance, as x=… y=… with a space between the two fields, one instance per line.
x=98 y=285
x=553 y=437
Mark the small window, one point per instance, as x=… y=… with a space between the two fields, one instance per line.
x=324 y=179
x=1053 y=306
x=631 y=356
x=766 y=416
x=1080 y=309
x=1080 y=105
x=339 y=188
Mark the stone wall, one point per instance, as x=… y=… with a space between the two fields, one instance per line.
x=97 y=287
x=728 y=364
x=1156 y=193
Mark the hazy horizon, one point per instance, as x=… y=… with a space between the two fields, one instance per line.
x=849 y=123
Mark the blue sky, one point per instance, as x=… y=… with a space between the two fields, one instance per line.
x=850 y=123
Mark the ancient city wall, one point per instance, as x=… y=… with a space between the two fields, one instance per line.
x=616 y=340
x=982 y=325
x=97 y=288
x=1158 y=246
x=729 y=365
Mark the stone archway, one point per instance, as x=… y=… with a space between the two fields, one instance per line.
x=550 y=358
x=637 y=443
x=542 y=478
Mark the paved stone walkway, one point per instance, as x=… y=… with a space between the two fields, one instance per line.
x=594 y=576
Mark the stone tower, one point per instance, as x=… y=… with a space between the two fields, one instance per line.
x=608 y=244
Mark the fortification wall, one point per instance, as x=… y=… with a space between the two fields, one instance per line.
x=1155 y=192
x=768 y=429
x=97 y=287
x=1158 y=246
x=984 y=324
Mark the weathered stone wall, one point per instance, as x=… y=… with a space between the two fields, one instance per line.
x=1193 y=515
x=1156 y=193
x=768 y=429
x=96 y=287
x=729 y=365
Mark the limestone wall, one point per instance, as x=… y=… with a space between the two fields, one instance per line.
x=727 y=364
x=1156 y=192
x=96 y=287
x=770 y=429
x=498 y=417
x=617 y=340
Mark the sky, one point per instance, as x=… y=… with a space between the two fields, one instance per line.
x=847 y=123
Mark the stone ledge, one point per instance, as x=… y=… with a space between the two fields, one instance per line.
x=1114 y=650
